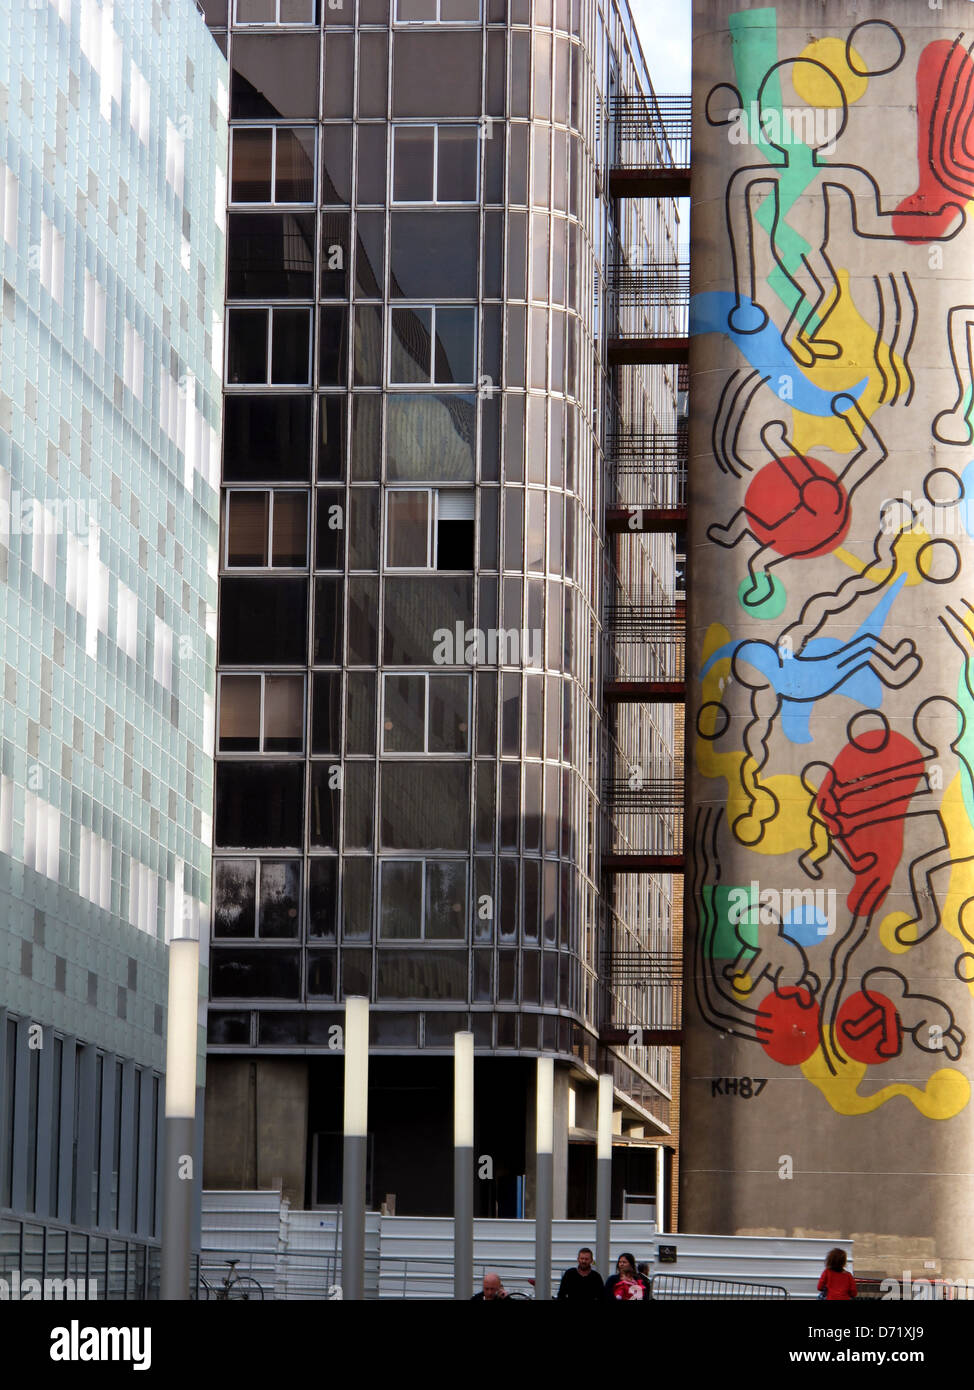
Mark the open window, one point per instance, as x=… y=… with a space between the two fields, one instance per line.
x=430 y=528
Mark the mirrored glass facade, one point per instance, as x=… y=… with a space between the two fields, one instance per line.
x=411 y=748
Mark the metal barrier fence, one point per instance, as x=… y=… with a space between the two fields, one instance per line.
x=671 y=1287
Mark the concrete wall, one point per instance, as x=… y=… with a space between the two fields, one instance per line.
x=256 y=1125
x=830 y=729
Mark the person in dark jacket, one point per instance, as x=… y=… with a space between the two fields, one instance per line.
x=835 y=1282
x=583 y=1283
x=626 y=1285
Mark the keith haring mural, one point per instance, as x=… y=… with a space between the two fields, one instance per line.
x=831 y=836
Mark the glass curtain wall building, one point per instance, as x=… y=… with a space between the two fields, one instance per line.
x=411 y=748
x=112 y=175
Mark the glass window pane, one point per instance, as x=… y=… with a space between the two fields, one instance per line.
x=412 y=175
x=401 y=900
x=330 y=542
x=459 y=11
x=255 y=974
x=267 y=439
x=270 y=255
x=263 y=621
x=280 y=897
x=332 y=347
x=335 y=255
x=328 y=622
x=331 y=437
x=410 y=349
x=370 y=240
x=322 y=972
x=366 y=460
x=433 y=255
x=239 y=714
x=363 y=528
x=456 y=165
x=431 y=437
x=421 y=974
x=250 y=166
x=322 y=897
x=247 y=520
x=425 y=806
x=324 y=806
x=359 y=797
x=363 y=621
x=255 y=11
x=418 y=10
x=356 y=899
x=371 y=185
x=449 y=713
x=295 y=167
x=534 y=550
x=283 y=714
x=234 y=897
x=404 y=714
x=273 y=76
x=326 y=712
x=446 y=899
x=360 y=715
x=455 y=345
x=290 y=540
x=437 y=74
x=291 y=350
x=367 y=348
x=420 y=618
x=407 y=530
x=336 y=165
x=260 y=805
x=247 y=346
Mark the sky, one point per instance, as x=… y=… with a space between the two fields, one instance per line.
x=664 y=32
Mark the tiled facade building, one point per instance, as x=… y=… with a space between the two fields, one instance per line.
x=112 y=170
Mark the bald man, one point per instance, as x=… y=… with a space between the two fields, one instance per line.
x=492 y=1291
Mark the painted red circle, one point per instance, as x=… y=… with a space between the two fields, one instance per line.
x=788 y=1027
x=818 y=503
x=868 y=1028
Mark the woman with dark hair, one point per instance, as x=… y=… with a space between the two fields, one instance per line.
x=626 y=1285
x=836 y=1283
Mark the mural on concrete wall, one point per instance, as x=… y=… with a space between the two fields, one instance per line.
x=832 y=834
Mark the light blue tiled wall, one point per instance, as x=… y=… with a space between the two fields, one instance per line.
x=106 y=795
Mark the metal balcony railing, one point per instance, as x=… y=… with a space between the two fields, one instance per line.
x=651 y=132
x=647 y=470
x=644 y=642
x=649 y=301
x=643 y=812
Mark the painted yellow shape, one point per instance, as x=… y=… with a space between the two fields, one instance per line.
x=858 y=338
x=887 y=927
x=945 y=1095
x=908 y=548
x=813 y=86
x=750 y=798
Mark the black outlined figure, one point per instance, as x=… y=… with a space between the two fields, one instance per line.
x=797 y=508
x=955 y=426
x=815 y=282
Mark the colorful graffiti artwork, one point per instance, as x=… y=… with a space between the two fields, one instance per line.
x=833 y=877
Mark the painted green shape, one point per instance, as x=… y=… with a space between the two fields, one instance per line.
x=730 y=936
x=754 y=44
x=965 y=744
x=772 y=602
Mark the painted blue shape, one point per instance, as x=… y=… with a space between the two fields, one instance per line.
x=763 y=349
x=801 y=680
x=966 y=504
x=806 y=926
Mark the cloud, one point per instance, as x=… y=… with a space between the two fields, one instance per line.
x=664 y=32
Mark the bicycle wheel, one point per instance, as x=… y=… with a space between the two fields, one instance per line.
x=244 y=1287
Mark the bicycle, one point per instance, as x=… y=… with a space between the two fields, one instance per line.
x=235 y=1286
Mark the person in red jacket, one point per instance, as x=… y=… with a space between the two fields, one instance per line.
x=835 y=1281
